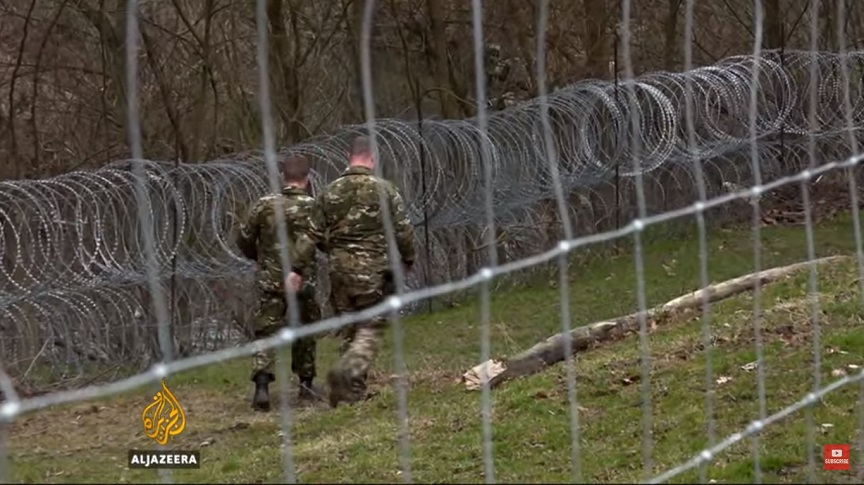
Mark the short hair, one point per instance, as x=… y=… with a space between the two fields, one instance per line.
x=361 y=146
x=295 y=167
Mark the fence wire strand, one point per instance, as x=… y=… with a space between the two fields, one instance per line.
x=704 y=280
x=758 y=19
x=275 y=186
x=567 y=229
x=812 y=285
x=642 y=304
x=143 y=203
x=847 y=111
x=400 y=382
x=486 y=161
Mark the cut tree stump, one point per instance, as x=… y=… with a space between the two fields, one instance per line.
x=552 y=350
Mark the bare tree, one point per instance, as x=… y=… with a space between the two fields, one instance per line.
x=62 y=65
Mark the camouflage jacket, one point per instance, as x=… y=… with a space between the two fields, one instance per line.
x=347 y=224
x=258 y=239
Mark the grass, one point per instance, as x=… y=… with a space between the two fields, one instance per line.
x=88 y=442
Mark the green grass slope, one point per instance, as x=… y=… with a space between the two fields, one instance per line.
x=88 y=442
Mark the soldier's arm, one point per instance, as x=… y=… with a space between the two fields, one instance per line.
x=309 y=238
x=247 y=236
x=318 y=224
x=403 y=228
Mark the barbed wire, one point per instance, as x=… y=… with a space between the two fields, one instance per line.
x=76 y=234
x=15 y=406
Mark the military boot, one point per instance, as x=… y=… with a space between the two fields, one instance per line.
x=344 y=388
x=340 y=387
x=358 y=387
x=306 y=391
x=334 y=382
x=261 y=399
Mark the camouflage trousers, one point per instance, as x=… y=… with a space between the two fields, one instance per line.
x=270 y=317
x=350 y=292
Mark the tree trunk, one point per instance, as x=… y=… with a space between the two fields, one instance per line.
x=552 y=350
x=773 y=25
x=438 y=53
x=284 y=74
x=111 y=35
x=828 y=19
x=670 y=34
x=595 y=39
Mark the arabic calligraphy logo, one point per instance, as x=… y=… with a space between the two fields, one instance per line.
x=164 y=417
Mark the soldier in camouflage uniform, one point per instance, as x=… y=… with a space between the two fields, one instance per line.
x=348 y=226
x=258 y=240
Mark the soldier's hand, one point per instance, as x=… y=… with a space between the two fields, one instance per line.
x=294 y=281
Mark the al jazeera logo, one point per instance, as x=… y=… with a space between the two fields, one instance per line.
x=163 y=419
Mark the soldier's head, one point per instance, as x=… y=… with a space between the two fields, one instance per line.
x=360 y=153
x=295 y=171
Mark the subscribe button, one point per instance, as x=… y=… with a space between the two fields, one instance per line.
x=836 y=457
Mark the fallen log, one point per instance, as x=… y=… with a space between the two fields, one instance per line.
x=552 y=350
